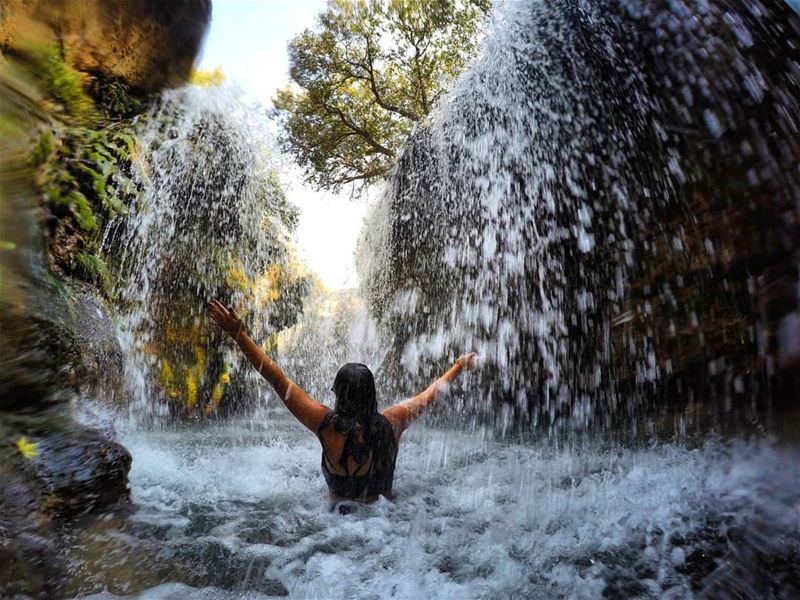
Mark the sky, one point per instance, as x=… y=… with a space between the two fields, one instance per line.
x=248 y=39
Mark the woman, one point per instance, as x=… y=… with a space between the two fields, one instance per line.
x=359 y=444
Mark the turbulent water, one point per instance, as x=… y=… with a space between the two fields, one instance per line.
x=241 y=511
x=490 y=238
x=606 y=207
x=211 y=223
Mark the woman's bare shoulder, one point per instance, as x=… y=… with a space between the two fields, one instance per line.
x=399 y=418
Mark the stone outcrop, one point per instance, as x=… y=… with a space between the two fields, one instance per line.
x=58 y=341
x=607 y=207
x=149 y=44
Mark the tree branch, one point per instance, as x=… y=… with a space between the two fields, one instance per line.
x=360 y=177
x=422 y=91
x=374 y=87
x=359 y=130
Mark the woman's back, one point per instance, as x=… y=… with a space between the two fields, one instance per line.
x=358 y=456
x=359 y=445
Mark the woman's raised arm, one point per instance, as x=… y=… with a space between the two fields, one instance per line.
x=401 y=415
x=307 y=410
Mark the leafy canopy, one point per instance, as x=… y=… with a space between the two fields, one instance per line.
x=206 y=78
x=362 y=78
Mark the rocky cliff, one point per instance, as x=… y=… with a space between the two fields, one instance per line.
x=606 y=206
x=73 y=75
x=148 y=44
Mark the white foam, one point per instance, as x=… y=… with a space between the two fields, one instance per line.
x=472 y=517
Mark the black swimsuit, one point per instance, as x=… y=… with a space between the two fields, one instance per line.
x=382 y=448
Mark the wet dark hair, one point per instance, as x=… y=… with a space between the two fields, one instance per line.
x=356 y=412
x=354 y=387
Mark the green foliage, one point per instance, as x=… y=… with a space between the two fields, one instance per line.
x=81 y=210
x=99 y=156
x=93 y=268
x=42 y=150
x=276 y=204
x=87 y=165
x=77 y=204
x=81 y=172
x=80 y=159
x=80 y=94
x=366 y=74
x=115 y=98
x=60 y=80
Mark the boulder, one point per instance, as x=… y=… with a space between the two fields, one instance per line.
x=149 y=44
x=606 y=207
x=58 y=469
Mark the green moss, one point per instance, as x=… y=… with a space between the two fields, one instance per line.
x=42 y=150
x=102 y=191
x=61 y=82
x=81 y=160
x=93 y=268
x=115 y=98
x=129 y=144
x=78 y=206
x=84 y=176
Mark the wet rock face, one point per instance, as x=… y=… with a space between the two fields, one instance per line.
x=606 y=208
x=79 y=470
x=58 y=470
x=36 y=359
x=51 y=467
x=51 y=353
x=57 y=337
x=149 y=44
x=100 y=355
x=67 y=469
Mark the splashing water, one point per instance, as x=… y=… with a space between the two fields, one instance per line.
x=335 y=329
x=601 y=209
x=544 y=217
x=473 y=518
x=212 y=223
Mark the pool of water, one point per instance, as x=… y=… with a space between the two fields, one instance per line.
x=241 y=511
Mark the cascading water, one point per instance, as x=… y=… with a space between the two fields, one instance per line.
x=335 y=329
x=213 y=222
x=526 y=222
x=570 y=212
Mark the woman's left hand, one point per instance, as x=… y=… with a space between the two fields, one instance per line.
x=226 y=318
x=470 y=361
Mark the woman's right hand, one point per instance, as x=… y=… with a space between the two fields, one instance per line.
x=226 y=318
x=468 y=362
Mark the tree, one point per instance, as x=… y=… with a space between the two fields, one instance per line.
x=364 y=76
x=207 y=78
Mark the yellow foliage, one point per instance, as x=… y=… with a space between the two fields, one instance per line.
x=182 y=380
x=219 y=389
x=28 y=449
x=174 y=334
x=204 y=78
x=191 y=391
x=237 y=278
x=274 y=277
x=166 y=372
x=200 y=358
x=168 y=379
x=217 y=393
x=271 y=343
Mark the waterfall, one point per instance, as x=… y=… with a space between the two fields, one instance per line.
x=211 y=222
x=601 y=207
x=605 y=206
x=335 y=329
